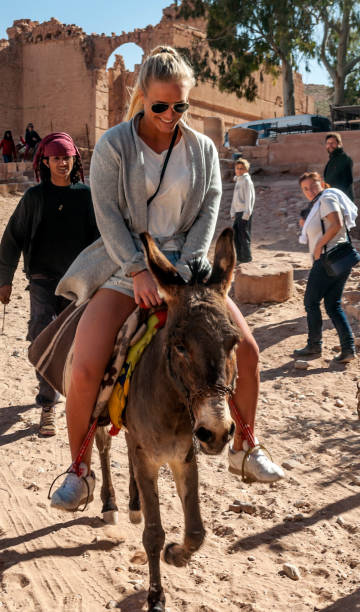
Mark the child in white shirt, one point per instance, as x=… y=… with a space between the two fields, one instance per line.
x=241 y=210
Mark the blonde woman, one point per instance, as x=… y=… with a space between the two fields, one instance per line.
x=125 y=173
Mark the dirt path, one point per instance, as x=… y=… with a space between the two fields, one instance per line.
x=307 y=419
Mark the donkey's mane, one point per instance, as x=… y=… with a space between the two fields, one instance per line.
x=200 y=269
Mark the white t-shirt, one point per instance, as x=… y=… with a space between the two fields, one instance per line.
x=328 y=204
x=165 y=209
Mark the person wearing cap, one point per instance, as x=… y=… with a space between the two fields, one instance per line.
x=53 y=222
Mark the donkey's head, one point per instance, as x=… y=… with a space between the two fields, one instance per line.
x=200 y=339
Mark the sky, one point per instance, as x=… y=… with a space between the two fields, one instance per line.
x=106 y=17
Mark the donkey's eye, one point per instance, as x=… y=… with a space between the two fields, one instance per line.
x=180 y=348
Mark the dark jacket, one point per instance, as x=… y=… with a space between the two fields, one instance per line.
x=338 y=172
x=32 y=138
x=21 y=230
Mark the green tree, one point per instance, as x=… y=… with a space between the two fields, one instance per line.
x=243 y=36
x=339 y=49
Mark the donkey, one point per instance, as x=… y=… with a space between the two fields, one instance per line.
x=178 y=394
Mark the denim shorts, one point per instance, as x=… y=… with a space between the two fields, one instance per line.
x=124 y=284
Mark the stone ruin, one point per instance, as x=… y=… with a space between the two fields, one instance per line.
x=55 y=75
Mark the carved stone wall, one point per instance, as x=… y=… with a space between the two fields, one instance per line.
x=55 y=76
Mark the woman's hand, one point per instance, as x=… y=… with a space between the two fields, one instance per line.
x=5 y=293
x=145 y=289
x=317 y=251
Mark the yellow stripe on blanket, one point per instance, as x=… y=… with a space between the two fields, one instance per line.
x=118 y=398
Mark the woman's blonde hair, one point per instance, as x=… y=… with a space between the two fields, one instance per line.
x=163 y=64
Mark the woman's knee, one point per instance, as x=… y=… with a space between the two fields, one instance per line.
x=86 y=374
x=332 y=308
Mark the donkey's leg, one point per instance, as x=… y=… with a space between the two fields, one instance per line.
x=146 y=474
x=134 y=499
x=109 y=509
x=186 y=479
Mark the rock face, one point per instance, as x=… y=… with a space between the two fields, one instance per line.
x=256 y=283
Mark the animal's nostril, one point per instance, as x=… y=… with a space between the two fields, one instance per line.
x=232 y=430
x=203 y=434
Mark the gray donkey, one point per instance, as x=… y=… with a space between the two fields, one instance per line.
x=178 y=394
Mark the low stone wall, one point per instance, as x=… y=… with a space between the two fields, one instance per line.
x=16 y=171
x=296 y=153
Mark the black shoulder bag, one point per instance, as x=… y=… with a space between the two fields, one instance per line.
x=342 y=257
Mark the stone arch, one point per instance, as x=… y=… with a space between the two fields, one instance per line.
x=111 y=85
x=121 y=78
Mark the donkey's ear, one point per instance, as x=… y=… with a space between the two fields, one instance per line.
x=224 y=262
x=164 y=273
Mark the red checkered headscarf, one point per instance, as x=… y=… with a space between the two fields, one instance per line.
x=57 y=143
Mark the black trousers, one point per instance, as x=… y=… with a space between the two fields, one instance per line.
x=242 y=238
x=44 y=307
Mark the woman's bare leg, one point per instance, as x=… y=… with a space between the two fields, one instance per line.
x=94 y=342
x=247 y=385
x=257 y=466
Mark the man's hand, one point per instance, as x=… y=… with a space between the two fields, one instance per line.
x=5 y=293
x=317 y=252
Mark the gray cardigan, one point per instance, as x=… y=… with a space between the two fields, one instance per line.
x=117 y=179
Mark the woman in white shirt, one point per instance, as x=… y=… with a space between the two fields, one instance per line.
x=241 y=210
x=181 y=216
x=330 y=206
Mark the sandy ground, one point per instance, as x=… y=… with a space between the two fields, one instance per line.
x=307 y=419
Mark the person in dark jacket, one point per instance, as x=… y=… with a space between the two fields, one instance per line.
x=8 y=147
x=338 y=171
x=52 y=223
x=32 y=140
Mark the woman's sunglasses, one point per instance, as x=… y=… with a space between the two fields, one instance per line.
x=161 y=107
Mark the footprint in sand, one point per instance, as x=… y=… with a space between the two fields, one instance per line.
x=72 y=603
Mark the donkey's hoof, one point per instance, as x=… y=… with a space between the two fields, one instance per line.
x=174 y=554
x=135 y=516
x=158 y=607
x=156 y=600
x=111 y=517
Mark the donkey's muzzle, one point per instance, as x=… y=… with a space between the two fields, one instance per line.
x=210 y=442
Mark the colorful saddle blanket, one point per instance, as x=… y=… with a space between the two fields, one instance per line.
x=118 y=398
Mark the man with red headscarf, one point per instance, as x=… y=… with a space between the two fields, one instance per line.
x=52 y=223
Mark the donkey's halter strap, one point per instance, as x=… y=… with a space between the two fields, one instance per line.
x=247 y=456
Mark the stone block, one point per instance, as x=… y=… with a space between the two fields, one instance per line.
x=11 y=168
x=239 y=136
x=353 y=310
x=256 y=283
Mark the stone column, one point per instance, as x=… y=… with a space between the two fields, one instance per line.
x=214 y=128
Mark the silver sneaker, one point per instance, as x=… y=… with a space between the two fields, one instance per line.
x=74 y=491
x=255 y=466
